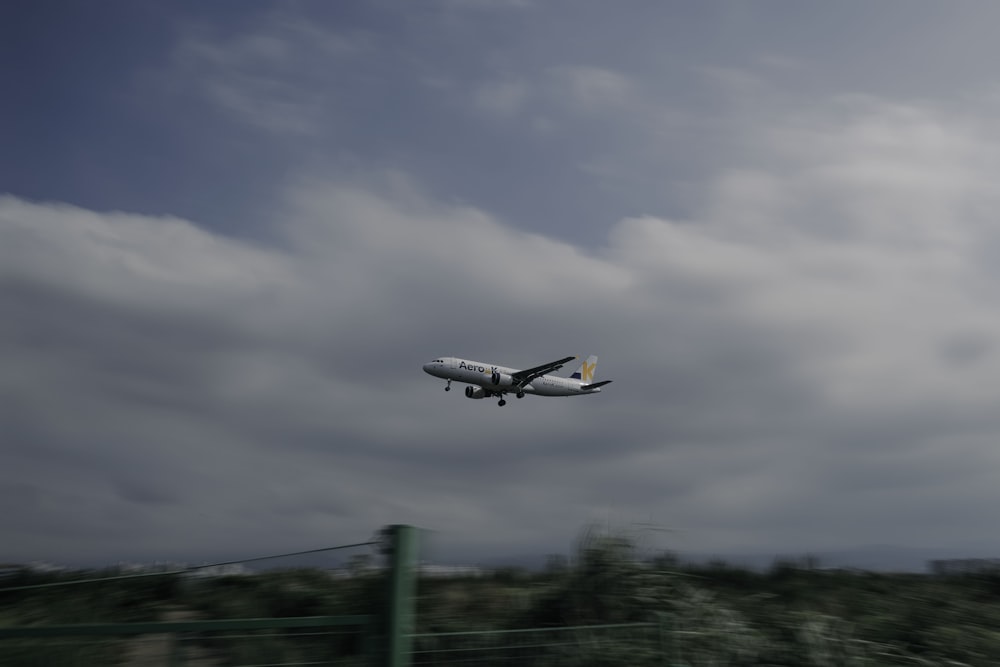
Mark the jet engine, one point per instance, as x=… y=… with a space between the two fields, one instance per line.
x=498 y=379
x=476 y=392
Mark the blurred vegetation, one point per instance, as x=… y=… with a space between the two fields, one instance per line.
x=137 y=599
x=124 y=600
x=794 y=614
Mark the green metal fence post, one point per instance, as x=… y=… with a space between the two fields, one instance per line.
x=402 y=586
x=667 y=656
x=176 y=651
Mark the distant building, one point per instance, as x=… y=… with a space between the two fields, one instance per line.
x=227 y=570
x=143 y=568
x=952 y=566
x=449 y=571
x=10 y=569
x=424 y=569
x=39 y=566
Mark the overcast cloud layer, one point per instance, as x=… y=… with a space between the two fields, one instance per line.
x=229 y=241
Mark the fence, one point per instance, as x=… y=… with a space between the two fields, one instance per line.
x=348 y=641
x=633 y=644
x=312 y=640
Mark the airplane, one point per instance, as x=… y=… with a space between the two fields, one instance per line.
x=489 y=380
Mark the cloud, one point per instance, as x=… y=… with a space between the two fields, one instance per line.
x=266 y=77
x=808 y=362
x=502 y=98
x=473 y=5
x=130 y=259
x=593 y=89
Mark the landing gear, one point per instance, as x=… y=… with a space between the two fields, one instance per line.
x=502 y=403
x=448 y=386
x=520 y=394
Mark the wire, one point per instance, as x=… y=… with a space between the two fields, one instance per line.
x=185 y=570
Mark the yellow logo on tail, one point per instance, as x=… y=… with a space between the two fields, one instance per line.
x=587 y=372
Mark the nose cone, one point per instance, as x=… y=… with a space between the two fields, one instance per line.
x=437 y=368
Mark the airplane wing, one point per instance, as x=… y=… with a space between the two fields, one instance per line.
x=526 y=376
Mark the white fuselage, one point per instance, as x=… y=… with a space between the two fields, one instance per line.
x=495 y=378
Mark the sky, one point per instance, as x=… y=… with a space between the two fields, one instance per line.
x=231 y=233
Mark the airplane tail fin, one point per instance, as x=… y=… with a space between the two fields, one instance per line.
x=586 y=370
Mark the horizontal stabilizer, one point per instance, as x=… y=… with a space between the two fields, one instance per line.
x=595 y=385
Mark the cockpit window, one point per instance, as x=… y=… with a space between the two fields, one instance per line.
x=438 y=361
